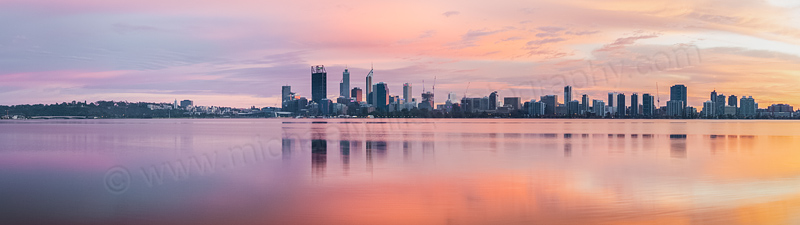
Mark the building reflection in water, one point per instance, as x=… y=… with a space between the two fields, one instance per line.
x=355 y=148
x=406 y=151
x=428 y=150
x=286 y=148
x=677 y=145
x=319 y=152
x=511 y=141
x=380 y=149
x=368 y=151
x=616 y=143
x=344 y=147
x=493 y=142
x=567 y=149
x=747 y=142
x=406 y=148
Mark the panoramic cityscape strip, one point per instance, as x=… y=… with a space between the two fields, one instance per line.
x=375 y=100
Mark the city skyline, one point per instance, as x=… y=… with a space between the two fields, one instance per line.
x=380 y=100
x=677 y=94
x=234 y=54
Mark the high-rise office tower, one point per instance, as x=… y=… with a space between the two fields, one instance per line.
x=573 y=107
x=286 y=93
x=621 y=105
x=714 y=96
x=358 y=94
x=585 y=103
x=550 y=102
x=567 y=94
x=599 y=108
x=344 y=86
x=675 y=108
x=325 y=106
x=732 y=101
x=709 y=108
x=484 y=105
x=427 y=101
x=747 y=106
x=369 y=87
x=514 y=102
x=407 y=92
x=493 y=101
x=451 y=97
x=647 y=105
x=537 y=108
x=678 y=92
x=720 y=104
x=381 y=93
x=611 y=97
x=634 y=104
x=319 y=83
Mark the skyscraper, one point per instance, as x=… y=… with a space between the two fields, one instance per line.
x=567 y=94
x=344 y=86
x=573 y=107
x=427 y=101
x=714 y=96
x=599 y=107
x=536 y=108
x=634 y=104
x=720 y=104
x=357 y=94
x=621 y=105
x=675 y=108
x=325 y=106
x=747 y=106
x=585 y=103
x=286 y=93
x=513 y=102
x=611 y=97
x=451 y=97
x=407 y=92
x=647 y=105
x=709 y=109
x=493 y=101
x=369 y=87
x=732 y=101
x=319 y=83
x=550 y=102
x=381 y=93
x=678 y=92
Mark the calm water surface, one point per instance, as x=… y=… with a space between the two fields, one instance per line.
x=415 y=171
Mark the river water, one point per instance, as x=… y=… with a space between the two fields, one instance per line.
x=400 y=171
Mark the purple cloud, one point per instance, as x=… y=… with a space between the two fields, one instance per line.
x=451 y=13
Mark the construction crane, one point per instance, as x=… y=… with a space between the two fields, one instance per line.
x=434 y=85
x=658 y=95
x=467 y=90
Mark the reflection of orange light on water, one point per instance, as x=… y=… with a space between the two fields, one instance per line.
x=759 y=158
x=485 y=198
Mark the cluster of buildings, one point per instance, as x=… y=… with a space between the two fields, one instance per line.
x=189 y=108
x=618 y=105
x=375 y=97
x=351 y=101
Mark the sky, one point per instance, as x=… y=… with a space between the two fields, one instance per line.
x=239 y=52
